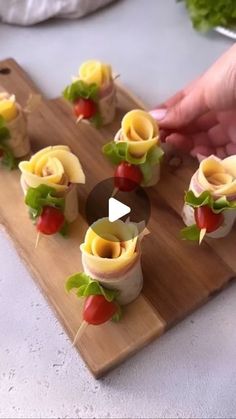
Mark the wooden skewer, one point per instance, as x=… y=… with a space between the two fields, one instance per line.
x=116 y=76
x=38 y=237
x=79 y=119
x=114 y=192
x=80 y=331
x=202 y=235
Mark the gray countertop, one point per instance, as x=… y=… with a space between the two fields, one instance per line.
x=190 y=371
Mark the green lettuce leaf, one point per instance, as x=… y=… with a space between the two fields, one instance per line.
x=190 y=233
x=80 y=89
x=117 y=316
x=207 y=14
x=115 y=152
x=96 y=120
x=8 y=160
x=37 y=198
x=4 y=131
x=86 y=286
x=217 y=206
x=153 y=158
x=64 y=232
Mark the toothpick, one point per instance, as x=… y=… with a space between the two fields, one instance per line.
x=202 y=235
x=114 y=192
x=116 y=76
x=38 y=237
x=79 y=119
x=81 y=329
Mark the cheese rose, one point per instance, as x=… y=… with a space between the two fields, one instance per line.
x=55 y=166
x=140 y=131
x=16 y=122
x=59 y=168
x=93 y=71
x=216 y=176
x=111 y=254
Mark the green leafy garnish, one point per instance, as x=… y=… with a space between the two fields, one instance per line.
x=154 y=156
x=118 y=152
x=117 y=316
x=64 y=232
x=207 y=14
x=80 y=89
x=43 y=195
x=96 y=120
x=190 y=233
x=86 y=286
x=8 y=158
x=4 y=131
x=217 y=206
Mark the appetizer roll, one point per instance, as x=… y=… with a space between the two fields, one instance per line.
x=17 y=142
x=51 y=177
x=111 y=254
x=137 y=144
x=210 y=203
x=93 y=93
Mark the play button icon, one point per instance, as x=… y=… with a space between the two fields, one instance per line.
x=104 y=201
x=116 y=209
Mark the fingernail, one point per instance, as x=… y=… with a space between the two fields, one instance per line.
x=158 y=114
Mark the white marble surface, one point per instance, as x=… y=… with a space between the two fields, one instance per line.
x=189 y=372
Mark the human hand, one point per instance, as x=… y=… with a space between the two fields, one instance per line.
x=201 y=119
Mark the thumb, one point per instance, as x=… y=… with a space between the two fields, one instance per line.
x=186 y=110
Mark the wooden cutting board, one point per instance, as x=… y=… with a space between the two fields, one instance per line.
x=178 y=276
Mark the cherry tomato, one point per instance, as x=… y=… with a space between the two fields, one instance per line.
x=127 y=177
x=85 y=107
x=50 y=221
x=206 y=218
x=98 y=310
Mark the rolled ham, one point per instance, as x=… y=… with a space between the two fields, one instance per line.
x=216 y=176
x=107 y=103
x=19 y=141
x=129 y=283
x=115 y=264
x=59 y=168
x=96 y=72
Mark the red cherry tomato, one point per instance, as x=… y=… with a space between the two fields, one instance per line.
x=50 y=221
x=127 y=177
x=85 y=107
x=206 y=218
x=98 y=310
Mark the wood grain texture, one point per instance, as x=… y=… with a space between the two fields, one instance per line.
x=178 y=276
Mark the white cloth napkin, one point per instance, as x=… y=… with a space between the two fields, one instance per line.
x=29 y=12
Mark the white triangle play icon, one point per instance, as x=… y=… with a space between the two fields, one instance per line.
x=116 y=209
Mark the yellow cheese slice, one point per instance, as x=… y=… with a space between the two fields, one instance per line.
x=218 y=176
x=52 y=166
x=109 y=247
x=34 y=181
x=93 y=71
x=8 y=110
x=45 y=150
x=229 y=165
x=140 y=131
